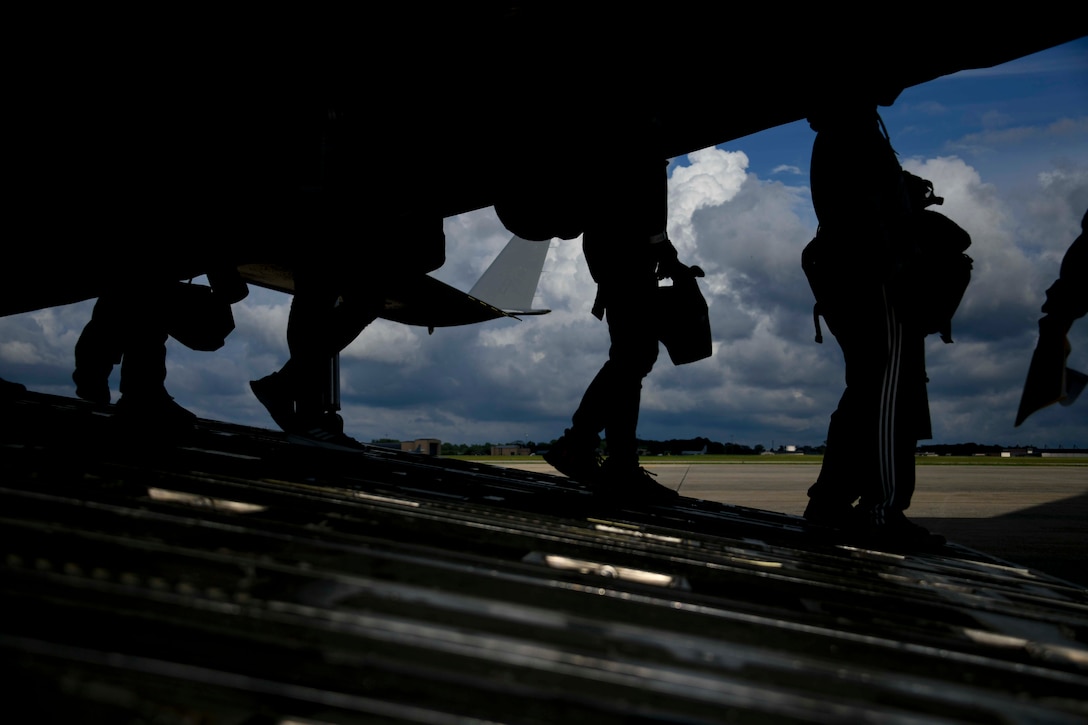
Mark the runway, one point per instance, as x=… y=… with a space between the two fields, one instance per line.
x=1032 y=515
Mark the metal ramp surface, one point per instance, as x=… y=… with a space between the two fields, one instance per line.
x=235 y=577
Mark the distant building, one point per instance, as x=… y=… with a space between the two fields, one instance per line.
x=1064 y=453
x=784 y=451
x=424 y=446
x=510 y=451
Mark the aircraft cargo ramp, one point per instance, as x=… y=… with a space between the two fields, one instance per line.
x=235 y=577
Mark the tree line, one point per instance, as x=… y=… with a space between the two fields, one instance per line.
x=672 y=447
x=679 y=446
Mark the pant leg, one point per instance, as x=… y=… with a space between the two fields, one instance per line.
x=132 y=324
x=611 y=402
x=327 y=314
x=873 y=432
x=910 y=423
x=99 y=346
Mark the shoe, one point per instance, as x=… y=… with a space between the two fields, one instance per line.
x=898 y=533
x=271 y=391
x=832 y=515
x=92 y=388
x=324 y=431
x=154 y=411
x=574 y=457
x=633 y=483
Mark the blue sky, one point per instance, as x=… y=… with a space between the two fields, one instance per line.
x=997 y=118
x=1007 y=147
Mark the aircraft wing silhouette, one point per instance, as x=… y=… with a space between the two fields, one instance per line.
x=505 y=289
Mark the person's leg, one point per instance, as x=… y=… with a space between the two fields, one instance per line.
x=98 y=349
x=611 y=402
x=885 y=376
x=631 y=357
x=874 y=448
x=832 y=496
x=142 y=321
x=907 y=421
x=322 y=321
x=852 y=462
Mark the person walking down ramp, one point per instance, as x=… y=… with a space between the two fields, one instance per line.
x=858 y=266
x=627 y=251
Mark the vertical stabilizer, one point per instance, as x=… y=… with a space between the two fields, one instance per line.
x=511 y=280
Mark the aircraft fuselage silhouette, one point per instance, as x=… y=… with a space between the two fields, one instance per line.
x=161 y=149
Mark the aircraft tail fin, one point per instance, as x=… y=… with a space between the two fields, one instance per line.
x=511 y=281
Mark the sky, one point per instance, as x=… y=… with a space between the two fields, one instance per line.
x=1007 y=148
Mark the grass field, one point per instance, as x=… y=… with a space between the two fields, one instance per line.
x=812 y=460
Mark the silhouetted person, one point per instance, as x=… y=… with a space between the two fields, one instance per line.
x=1066 y=301
x=1067 y=298
x=129 y=326
x=325 y=317
x=627 y=250
x=346 y=258
x=334 y=301
x=863 y=211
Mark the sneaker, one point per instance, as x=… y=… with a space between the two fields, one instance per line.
x=897 y=532
x=272 y=393
x=325 y=431
x=575 y=458
x=634 y=483
x=832 y=515
x=154 y=411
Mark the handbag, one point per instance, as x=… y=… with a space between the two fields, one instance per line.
x=684 y=319
x=198 y=318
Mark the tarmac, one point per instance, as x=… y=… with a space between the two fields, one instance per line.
x=1035 y=516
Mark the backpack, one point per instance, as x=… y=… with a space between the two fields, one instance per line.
x=931 y=269
x=933 y=277
x=929 y=288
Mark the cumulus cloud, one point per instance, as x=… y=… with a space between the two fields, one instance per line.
x=975 y=383
x=1004 y=279
x=713 y=177
x=19 y=352
x=388 y=342
x=995 y=136
x=929 y=108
